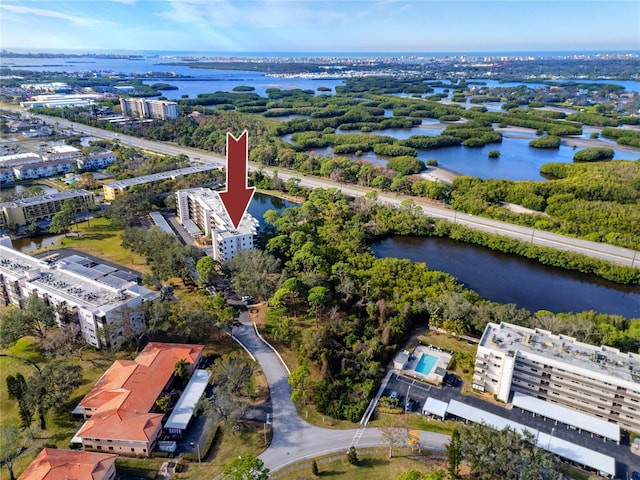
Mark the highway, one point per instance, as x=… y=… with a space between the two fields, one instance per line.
x=613 y=254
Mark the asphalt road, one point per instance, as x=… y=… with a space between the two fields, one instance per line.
x=293 y=438
x=617 y=255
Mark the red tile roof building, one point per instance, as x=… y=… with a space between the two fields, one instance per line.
x=120 y=411
x=53 y=464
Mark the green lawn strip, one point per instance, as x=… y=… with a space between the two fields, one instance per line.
x=373 y=464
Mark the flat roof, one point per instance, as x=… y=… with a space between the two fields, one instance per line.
x=51 y=197
x=568 y=450
x=435 y=407
x=567 y=416
x=603 y=360
x=161 y=222
x=478 y=415
x=156 y=177
x=576 y=453
x=183 y=411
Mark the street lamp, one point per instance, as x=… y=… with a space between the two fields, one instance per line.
x=406 y=400
x=550 y=435
x=197 y=445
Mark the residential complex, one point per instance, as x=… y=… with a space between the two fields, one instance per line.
x=54 y=464
x=201 y=210
x=143 y=108
x=601 y=382
x=35 y=209
x=112 y=190
x=59 y=161
x=120 y=412
x=104 y=301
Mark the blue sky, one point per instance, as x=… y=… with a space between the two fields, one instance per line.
x=320 y=26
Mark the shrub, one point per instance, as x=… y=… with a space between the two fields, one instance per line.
x=594 y=155
x=494 y=154
x=548 y=141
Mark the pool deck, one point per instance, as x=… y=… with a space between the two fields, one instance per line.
x=437 y=373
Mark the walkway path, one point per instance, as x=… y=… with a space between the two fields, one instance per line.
x=293 y=438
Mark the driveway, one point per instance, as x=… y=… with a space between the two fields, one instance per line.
x=293 y=438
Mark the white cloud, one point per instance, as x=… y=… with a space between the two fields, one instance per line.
x=255 y=13
x=76 y=20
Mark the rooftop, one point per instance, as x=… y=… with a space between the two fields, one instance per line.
x=562 y=348
x=89 y=285
x=54 y=464
x=211 y=201
x=46 y=198
x=126 y=394
x=162 y=176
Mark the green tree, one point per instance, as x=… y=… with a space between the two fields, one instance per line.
x=233 y=372
x=34 y=319
x=319 y=299
x=19 y=391
x=352 y=455
x=163 y=403
x=10 y=447
x=454 y=453
x=52 y=387
x=297 y=380
x=245 y=467
x=207 y=271
x=314 y=468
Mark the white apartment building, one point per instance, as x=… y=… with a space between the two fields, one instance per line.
x=102 y=300
x=203 y=208
x=143 y=108
x=601 y=382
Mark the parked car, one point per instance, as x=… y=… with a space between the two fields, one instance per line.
x=394 y=395
x=451 y=380
x=411 y=405
x=635 y=475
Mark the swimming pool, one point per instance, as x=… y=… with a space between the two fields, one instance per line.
x=426 y=364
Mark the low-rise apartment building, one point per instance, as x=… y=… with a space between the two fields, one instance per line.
x=19 y=213
x=598 y=381
x=115 y=189
x=120 y=412
x=105 y=302
x=54 y=464
x=204 y=208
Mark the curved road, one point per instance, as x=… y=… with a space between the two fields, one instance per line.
x=293 y=438
x=618 y=255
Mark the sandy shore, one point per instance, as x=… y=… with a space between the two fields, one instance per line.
x=439 y=174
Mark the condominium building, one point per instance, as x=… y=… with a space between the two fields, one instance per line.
x=115 y=189
x=104 y=301
x=203 y=208
x=601 y=382
x=34 y=209
x=120 y=412
x=143 y=108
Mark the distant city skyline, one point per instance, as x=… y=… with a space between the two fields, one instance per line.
x=298 y=26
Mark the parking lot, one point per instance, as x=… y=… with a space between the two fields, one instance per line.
x=410 y=389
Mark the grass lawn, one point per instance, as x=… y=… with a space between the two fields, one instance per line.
x=60 y=427
x=99 y=238
x=373 y=466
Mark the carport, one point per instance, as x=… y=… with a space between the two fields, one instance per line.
x=435 y=407
x=183 y=410
x=568 y=416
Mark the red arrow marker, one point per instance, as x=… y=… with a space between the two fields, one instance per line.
x=237 y=197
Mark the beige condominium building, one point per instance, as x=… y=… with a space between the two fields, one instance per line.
x=202 y=207
x=33 y=209
x=143 y=108
x=599 y=381
x=115 y=189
